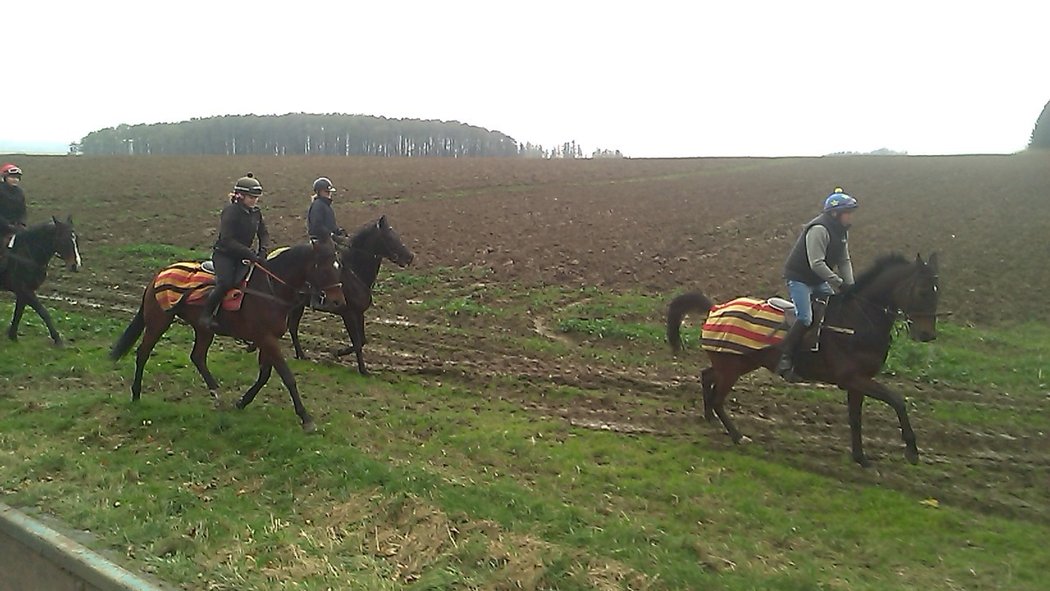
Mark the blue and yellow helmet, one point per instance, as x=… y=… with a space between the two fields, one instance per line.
x=839 y=201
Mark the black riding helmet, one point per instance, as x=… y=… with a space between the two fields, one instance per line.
x=323 y=184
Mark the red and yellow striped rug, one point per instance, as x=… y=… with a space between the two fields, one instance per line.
x=742 y=326
x=190 y=283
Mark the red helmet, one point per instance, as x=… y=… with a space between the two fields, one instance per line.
x=10 y=170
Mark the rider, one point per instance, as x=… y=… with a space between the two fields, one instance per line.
x=12 y=207
x=241 y=221
x=820 y=248
x=12 y=200
x=320 y=219
x=320 y=222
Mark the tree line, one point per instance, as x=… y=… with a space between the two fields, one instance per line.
x=301 y=133
x=1041 y=132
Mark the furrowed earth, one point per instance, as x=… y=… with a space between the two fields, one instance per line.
x=526 y=425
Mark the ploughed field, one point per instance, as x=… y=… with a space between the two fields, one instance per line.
x=526 y=426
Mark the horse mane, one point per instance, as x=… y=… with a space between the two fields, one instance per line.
x=876 y=269
x=363 y=231
x=37 y=228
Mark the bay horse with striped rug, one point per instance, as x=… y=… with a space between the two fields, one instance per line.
x=852 y=347
x=271 y=292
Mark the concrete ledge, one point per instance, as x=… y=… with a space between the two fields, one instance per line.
x=35 y=556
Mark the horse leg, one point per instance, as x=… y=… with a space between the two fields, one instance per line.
x=707 y=382
x=356 y=329
x=272 y=349
x=724 y=382
x=877 y=391
x=856 y=404
x=34 y=303
x=154 y=330
x=202 y=340
x=16 y=318
x=294 y=318
x=265 y=368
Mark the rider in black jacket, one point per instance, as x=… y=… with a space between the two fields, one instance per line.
x=12 y=200
x=241 y=222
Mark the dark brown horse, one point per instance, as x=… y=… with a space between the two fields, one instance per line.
x=851 y=354
x=360 y=262
x=262 y=319
x=24 y=267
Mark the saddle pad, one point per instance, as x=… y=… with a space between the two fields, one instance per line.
x=742 y=326
x=189 y=282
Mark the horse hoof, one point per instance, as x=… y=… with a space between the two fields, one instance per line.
x=864 y=462
x=309 y=426
x=344 y=352
x=364 y=372
x=239 y=405
x=912 y=455
x=59 y=344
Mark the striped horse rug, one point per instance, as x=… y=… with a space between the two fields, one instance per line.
x=743 y=326
x=191 y=283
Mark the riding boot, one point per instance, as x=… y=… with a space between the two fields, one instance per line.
x=210 y=313
x=786 y=367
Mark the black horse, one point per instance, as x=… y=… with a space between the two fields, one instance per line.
x=24 y=267
x=360 y=262
x=853 y=345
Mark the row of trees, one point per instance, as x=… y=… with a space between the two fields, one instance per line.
x=1041 y=133
x=301 y=133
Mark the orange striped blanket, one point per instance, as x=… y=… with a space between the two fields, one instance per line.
x=190 y=283
x=742 y=326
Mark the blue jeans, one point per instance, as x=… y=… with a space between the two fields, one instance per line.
x=800 y=296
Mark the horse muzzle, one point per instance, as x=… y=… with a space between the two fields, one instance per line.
x=333 y=294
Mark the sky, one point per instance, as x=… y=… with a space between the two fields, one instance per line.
x=652 y=79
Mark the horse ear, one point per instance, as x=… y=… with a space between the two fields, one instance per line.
x=918 y=258
x=932 y=262
x=382 y=224
x=69 y=219
x=54 y=219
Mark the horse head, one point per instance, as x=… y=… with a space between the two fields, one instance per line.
x=66 y=243
x=917 y=298
x=379 y=239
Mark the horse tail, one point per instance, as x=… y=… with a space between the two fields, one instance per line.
x=131 y=334
x=676 y=311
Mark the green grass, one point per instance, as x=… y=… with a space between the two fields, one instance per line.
x=419 y=483
x=1013 y=359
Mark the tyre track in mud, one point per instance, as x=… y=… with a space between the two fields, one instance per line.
x=1001 y=473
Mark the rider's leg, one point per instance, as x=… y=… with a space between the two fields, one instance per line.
x=225 y=276
x=800 y=295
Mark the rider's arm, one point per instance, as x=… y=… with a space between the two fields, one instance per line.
x=845 y=266
x=817 y=240
x=264 y=237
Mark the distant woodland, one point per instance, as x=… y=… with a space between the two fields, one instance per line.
x=302 y=133
x=1041 y=133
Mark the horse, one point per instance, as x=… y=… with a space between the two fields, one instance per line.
x=25 y=262
x=360 y=262
x=271 y=291
x=853 y=345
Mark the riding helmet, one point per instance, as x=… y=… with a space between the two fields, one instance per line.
x=323 y=184
x=839 y=201
x=248 y=185
x=10 y=170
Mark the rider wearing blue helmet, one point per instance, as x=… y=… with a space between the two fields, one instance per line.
x=819 y=252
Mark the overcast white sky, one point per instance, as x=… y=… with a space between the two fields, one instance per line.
x=651 y=78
